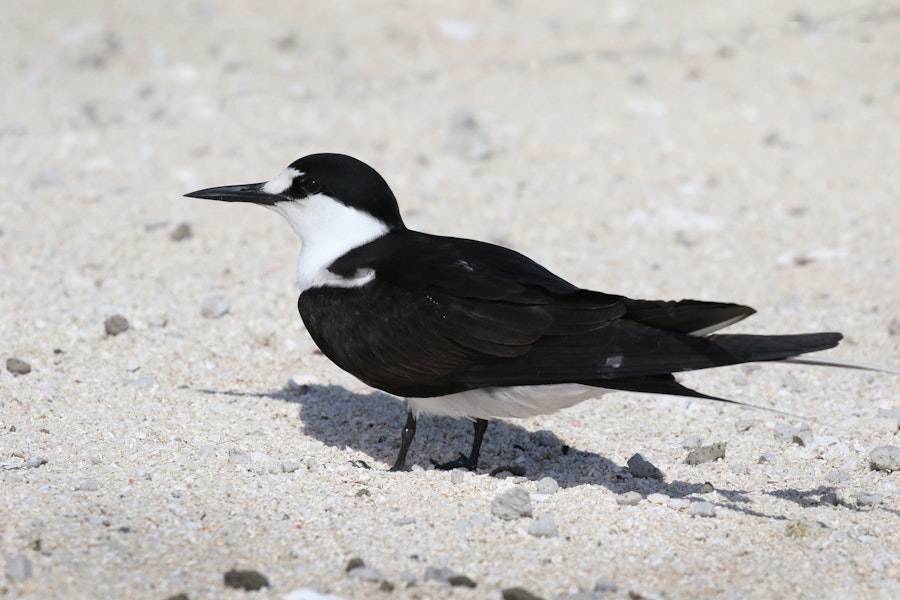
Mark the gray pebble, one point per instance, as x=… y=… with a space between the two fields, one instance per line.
x=461 y=581
x=705 y=454
x=518 y=593
x=768 y=458
x=641 y=467
x=867 y=499
x=547 y=485
x=543 y=526
x=745 y=423
x=88 y=485
x=707 y=488
x=17 y=366
x=628 y=498
x=289 y=466
x=18 y=568
x=35 y=462
x=885 y=458
x=466 y=139
x=181 y=232
x=238 y=456
x=838 y=476
x=354 y=563
x=833 y=497
x=691 y=442
x=802 y=436
x=248 y=580
x=606 y=586
x=457 y=476
x=115 y=325
x=215 y=306
x=703 y=509
x=512 y=504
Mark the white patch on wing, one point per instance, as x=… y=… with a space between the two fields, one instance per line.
x=508 y=402
x=710 y=329
x=328 y=230
x=281 y=182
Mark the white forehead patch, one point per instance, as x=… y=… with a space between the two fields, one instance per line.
x=281 y=182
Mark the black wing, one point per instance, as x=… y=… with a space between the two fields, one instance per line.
x=489 y=316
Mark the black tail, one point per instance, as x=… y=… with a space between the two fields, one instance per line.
x=741 y=348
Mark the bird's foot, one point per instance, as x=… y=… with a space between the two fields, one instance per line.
x=463 y=462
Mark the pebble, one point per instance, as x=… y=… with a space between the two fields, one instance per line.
x=518 y=593
x=457 y=476
x=215 y=306
x=657 y=498
x=768 y=458
x=745 y=423
x=691 y=442
x=354 y=563
x=705 y=454
x=17 y=366
x=641 y=467
x=885 y=458
x=867 y=499
x=181 y=232
x=18 y=568
x=466 y=139
x=838 y=476
x=628 y=499
x=115 y=325
x=547 y=485
x=461 y=581
x=802 y=436
x=543 y=526
x=703 y=509
x=513 y=503
x=248 y=580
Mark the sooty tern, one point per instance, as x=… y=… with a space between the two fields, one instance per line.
x=470 y=329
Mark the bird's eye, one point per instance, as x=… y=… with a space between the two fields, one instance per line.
x=309 y=186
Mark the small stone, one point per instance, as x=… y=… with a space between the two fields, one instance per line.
x=658 y=498
x=513 y=503
x=867 y=499
x=35 y=462
x=238 y=456
x=18 y=568
x=641 y=467
x=301 y=383
x=248 y=580
x=885 y=458
x=289 y=466
x=703 y=509
x=543 y=526
x=17 y=366
x=115 y=325
x=514 y=470
x=547 y=485
x=704 y=454
x=354 y=563
x=606 y=586
x=461 y=581
x=457 y=476
x=628 y=499
x=745 y=423
x=88 y=485
x=181 y=596
x=133 y=365
x=518 y=593
x=707 y=488
x=181 y=232
x=215 y=306
x=833 y=497
x=838 y=476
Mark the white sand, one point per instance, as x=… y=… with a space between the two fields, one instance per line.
x=726 y=151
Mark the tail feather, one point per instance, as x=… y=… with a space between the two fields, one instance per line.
x=741 y=348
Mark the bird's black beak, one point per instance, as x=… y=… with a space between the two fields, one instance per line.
x=248 y=192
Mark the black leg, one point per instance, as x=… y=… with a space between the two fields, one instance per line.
x=406 y=437
x=470 y=462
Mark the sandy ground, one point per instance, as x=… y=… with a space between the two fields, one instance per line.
x=718 y=150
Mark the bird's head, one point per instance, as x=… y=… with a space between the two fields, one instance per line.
x=322 y=194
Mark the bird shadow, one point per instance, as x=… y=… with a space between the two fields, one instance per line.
x=371 y=423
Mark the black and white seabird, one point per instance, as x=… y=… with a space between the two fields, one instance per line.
x=469 y=329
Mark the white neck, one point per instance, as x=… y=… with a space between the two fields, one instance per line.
x=328 y=230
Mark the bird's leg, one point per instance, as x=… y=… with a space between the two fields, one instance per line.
x=471 y=462
x=406 y=437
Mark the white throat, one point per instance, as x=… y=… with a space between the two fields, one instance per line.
x=328 y=230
